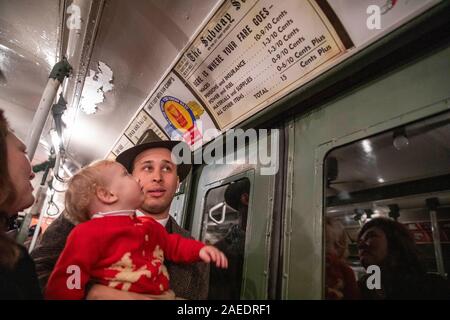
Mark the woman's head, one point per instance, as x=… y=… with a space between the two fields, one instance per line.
x=16 y=192
x=15 y=187
x=388 y=244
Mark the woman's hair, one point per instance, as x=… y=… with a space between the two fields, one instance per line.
x=403 y=256
x=82 y=188
x=7 y=191
x=9 y=251
x=336 y=239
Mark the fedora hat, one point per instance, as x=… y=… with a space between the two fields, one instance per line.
x=150 y=140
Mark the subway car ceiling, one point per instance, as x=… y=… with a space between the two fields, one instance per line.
x=399 y=169
x=137 y=42
x=126 y=50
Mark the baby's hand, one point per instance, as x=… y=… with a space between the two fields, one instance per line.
x=210 y=253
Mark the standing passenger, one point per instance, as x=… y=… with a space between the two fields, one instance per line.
x=150 y=161
x=225 y=284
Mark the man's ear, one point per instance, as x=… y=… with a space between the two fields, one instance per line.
x=178 y=182
x=105 y=195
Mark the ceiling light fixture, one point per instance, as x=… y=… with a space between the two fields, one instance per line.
x=367 y=146
x=400 y=140
x=56 y=140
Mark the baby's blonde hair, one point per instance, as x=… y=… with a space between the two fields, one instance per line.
x=336 y=238
x=82 y=188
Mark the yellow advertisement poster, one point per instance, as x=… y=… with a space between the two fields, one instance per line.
x=179 y=113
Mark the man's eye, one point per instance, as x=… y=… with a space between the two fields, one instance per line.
x=168 y=169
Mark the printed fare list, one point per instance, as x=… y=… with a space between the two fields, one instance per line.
x=272 y=47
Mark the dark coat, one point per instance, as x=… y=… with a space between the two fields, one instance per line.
x=47 y=251
x=188 y=281
x=20 y=283
x=407 y=287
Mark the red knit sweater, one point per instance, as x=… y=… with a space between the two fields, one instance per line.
x=122 y=252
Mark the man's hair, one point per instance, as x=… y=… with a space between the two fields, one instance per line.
x=82 y=188
x=8 y=249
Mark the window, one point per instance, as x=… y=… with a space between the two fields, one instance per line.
x=224 y=226
x=403 y=177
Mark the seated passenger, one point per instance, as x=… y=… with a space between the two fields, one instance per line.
x=340 y=281
x=113 y=247
x=389 y=245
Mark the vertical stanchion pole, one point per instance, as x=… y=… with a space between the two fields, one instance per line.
x=433 y=204
x=60 y=71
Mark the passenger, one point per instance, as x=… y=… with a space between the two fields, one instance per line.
x=150 y=161
x=226 y=283
x=389 y=245
x=18 y=279
x=114 y=247
x=340 y=280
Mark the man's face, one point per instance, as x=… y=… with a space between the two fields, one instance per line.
x=158 y=176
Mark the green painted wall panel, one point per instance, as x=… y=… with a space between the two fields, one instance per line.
x=413 y=92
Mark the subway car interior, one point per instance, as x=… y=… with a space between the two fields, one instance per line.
x=305 y=120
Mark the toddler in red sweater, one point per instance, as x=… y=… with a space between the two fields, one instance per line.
x=114 y=247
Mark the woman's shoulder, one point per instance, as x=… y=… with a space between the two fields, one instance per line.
x=25 y=262
x=21 y=281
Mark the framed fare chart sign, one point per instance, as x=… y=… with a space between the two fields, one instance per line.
x=248 y=55
x=251 y=53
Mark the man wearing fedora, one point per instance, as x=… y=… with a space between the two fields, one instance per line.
x=150 y=161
